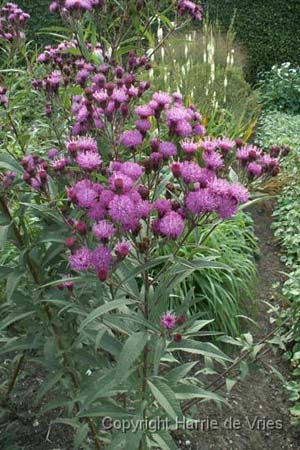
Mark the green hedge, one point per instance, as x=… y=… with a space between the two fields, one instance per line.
x=269 y=29
x=40 y=17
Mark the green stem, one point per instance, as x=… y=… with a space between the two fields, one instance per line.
x=14 y=377
x=66 y=361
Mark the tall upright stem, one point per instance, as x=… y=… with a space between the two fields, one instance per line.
x=66 y=361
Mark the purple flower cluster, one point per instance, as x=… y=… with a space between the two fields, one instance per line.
x=3 y=96
x=188 y=7
x=35 y=171
x=12 y=22
x=74 y=7
x=257 y=163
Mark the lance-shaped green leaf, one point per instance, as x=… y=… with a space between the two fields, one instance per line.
x=142 y=268
x=164 y=440
x=189 y=392
x=3 y=235
x=113 y=411
x=132 y=349
x=10 y=163
x=166 y=398
x=178 y=373
x=200 y=348
x=103 y=309
x=14 y=318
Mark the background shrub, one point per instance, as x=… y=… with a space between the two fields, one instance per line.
x=280 y=88
x=269 y=30
x=278 y=128
x=40 y=17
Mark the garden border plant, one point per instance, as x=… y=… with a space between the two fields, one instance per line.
x=132 y=171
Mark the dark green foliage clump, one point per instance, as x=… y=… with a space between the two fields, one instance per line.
x=269 y=29
x=40 y=17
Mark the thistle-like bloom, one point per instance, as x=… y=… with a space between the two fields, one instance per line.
x=84 y=193
x=101 y=258
x=186 y=6
x=213 y=160
x=84 y=144
x=162 y=206
x=120 y=183
x=144 y=111
x=171 y=225
x=201 y=201
x=131 y=169
x=225 y=144
x=163 y=99
x=104 y=230
x=84 y=5
x=143 y=125
x=254 y=169
x=88 y=160
x=209 y=145
x=80 y=260
x=190 y=172
x=131 y=139
x=189 y=146
x=122 y=249
x=168 y=320
x=167 y=149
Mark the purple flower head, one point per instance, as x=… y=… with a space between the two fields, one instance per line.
x=82 y=76
x=131 y=139
x=183 y=128
x=131 y=169
x=84 y=5
x=143 y=125
x=188 y=7
x=120 y=95
x=213 y=160
x=268 y=162
x=8 y=178
x=177 y=114
x=59 y=163
x=84 y=144
x=254 y=169
x=123 y=210
x=190 y=172
x=104 y=230
x=85 y=193
x=100 y=96
x=168 y=320
x=120 y=183
x=52 y=153
x=199 y=130
x=167 y=149
x=171 y=225
x=177 y=97
x=201 y=201
x=163 y=99
x=209 y=145
x=101 y=258
x=144 y=111
x=225 y=144
x=88 y=160
x=80 y=260
x=189 y=146
x=122 y=249
x=162 y=206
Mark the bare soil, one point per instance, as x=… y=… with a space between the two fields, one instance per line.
x=259 y=415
